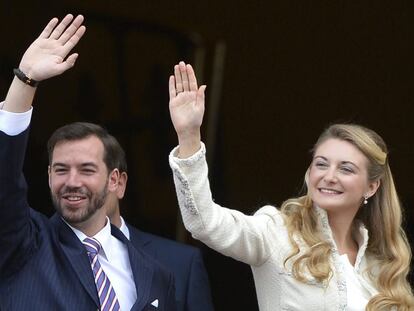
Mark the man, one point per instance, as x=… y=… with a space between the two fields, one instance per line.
x=192 y=289
x=76 y=260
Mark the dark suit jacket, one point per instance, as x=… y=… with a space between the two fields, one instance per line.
x=192 y=290
x=43 y=265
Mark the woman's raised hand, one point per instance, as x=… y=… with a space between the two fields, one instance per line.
x=186 y=108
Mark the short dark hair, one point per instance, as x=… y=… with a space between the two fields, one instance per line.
x=114 y=155
x=122 y=162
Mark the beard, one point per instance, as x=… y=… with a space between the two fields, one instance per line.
x=81 y=214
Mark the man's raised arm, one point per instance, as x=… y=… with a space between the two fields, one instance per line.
x=46 y=57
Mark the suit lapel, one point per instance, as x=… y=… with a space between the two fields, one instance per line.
x=143 y=241
x=141 y=269
x=77 y=257
x=137 y=237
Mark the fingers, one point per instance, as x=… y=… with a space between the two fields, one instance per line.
x=70 y=61
x=67 y=64
x=61 y=27
x=184 y=75
x=67 y=33
x=192 y=80
x=72 y=29
x=185 y=79
x=201 y=92
x=74 y=39
x=178 y=81
x=172 y=87
x=49 y=28
x=201 y=95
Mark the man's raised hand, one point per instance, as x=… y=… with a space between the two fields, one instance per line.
x=48 y=56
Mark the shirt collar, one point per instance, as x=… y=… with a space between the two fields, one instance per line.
x=361 y=235
x=104 y=237
x=124 y=228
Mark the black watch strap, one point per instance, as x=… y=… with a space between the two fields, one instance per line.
x=22 y=77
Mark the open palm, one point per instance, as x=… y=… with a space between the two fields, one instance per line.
x=48 y=56
x=186 y=100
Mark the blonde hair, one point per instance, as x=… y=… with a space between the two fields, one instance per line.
x=388 y=246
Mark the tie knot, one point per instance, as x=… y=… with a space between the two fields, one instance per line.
x=92 y=245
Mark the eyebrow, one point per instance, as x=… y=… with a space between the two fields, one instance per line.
x=342 y=162
x=86 y=164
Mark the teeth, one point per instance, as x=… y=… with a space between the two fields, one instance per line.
x=73 y=198
x=330 y=191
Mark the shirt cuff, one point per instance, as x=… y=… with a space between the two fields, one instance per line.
x=12 y=123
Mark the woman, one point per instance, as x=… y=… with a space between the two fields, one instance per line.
x=313 y=253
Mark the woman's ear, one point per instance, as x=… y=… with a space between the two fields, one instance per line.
x=373 y=187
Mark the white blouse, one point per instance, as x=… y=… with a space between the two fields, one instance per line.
x=358 y=290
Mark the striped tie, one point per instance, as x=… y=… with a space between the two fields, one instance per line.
x=106 y=292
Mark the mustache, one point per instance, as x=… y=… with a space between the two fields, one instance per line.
x=74 y=190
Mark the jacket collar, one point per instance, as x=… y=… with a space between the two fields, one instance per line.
x=359 y=230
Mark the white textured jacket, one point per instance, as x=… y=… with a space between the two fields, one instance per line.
x=262 y=242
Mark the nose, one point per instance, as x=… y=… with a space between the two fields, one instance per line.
x=73 y=180
x=330 y=176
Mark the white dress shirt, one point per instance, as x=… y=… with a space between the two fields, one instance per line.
x=114 y=259
x=13 y=123
x=124 y=229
